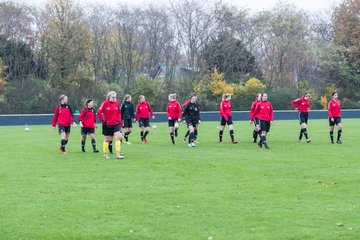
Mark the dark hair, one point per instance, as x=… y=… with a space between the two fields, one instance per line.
x=305 y=94
x=89 y=100
x=333 y=93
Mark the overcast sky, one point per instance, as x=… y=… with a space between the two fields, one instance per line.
x=253 y=5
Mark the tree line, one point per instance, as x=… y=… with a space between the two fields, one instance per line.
x=183 y=47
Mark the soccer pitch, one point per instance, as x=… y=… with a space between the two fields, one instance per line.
x=160 y=191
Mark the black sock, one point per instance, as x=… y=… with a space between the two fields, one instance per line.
x=191 y=138
x=301 y=134
x=332 y=136
x=263 y=139
x=66 y=141
x=83 y=145
x=255 y=135
x=172 y=137
x=110 y=147
x=305 y=133
x=62 y=144
x=142 y=135
x=232 y=135
x=93 y=143
x=220 y=135
x=187 y=134
x=126 y=136
x=176 y=132
x=146 y=133
x=339 y=135
x=195 y=134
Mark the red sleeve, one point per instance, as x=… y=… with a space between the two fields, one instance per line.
x=82 y=115
x=252 y=110
x=179 y=110
x=252 y=116
x=222 y=111
x=185 y=104
x=100 y=113
x=330 y=110
x=94 y=117
x=167 y=111
x=272 y=113
x=150 y=110
x=293 y=102
x=137 y=113
x=56 y=115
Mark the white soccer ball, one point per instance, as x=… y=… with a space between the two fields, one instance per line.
x=154 y=127
x=27 y=129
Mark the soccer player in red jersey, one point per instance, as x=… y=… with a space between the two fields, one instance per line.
x=173 y=113
x=334 y=113
x=303 y=106
x=226 y=118
x=256 y=131
x=265 y=113
x=63 y=116
x=87 y=122
x=110 y=115
x=143 y=111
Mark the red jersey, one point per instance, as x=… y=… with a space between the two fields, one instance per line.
x=303 y=105
x=109 y=113
x=252 y=110
x=173 y=110
x=143 y=110
x=225 y=109
x=88 y=117
x=185 y=104
x=264 y=111
x=334 y=109
x=63 y=116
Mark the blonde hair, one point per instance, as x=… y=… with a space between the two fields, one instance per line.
x=62 y=97
x=226 y=95
x=172 y=95
x=126 y=97
x=109 y=94
x=140 y=97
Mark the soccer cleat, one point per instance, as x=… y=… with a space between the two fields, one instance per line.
x=338 y=142
x=234 y=142
x=120 y=156
x=189 y=145
x=145 y=140
x=128 y=143
x=193 y=144
x=221 y=142
x=332 y=142
x=95 y=151
x=83 y=149
x=254 y=141
x=111 y=153
x=260 y=145
x=308 y=140
x=299 y=141
x=62 y=151
x=106 y=157
x=266 y=146
x=184 y=141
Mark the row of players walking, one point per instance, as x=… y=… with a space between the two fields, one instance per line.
x=115 y=117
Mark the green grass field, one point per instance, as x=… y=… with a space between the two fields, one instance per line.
x=161 y=191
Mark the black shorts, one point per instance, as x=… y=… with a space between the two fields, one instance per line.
x=86 y=131
x=171 y=123
x=223 y=122
x=110 y=130
x=265 y=126
x=256 y=121
x=64 y=129
x=127 y=123
x=144 y=122
x=192 y=122
x=303 y=117
x=336 y=121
